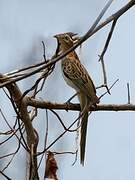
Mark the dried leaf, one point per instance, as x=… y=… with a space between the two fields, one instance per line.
x=51 y=167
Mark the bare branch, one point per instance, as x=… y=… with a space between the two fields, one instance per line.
x=76 y=107
x=43 y=65
x=83 y=39
x=5 y=176
x=108 y=40
x=109 y=89
x=23 y=115
x=101 y=57
x=63 y=125
x=21 y=102
x=54 y=60
x=13 y=155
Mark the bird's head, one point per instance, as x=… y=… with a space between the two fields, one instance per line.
x=66 y=40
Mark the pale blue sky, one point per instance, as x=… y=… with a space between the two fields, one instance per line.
x=110 y=152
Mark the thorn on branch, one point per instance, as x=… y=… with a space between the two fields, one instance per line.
x=44 y=52
x=109 y=88
x=76 y=155
x=104 y=85
x=128 y=92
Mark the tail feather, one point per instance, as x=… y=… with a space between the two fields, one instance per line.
x=83 y=137
x=84 y=103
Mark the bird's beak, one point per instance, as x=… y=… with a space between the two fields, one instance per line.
x=55 y=36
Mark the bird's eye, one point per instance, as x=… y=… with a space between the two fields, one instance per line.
x=66 y=38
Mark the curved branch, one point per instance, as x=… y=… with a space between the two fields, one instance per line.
x=83 y=39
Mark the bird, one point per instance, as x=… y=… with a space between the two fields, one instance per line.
x=77 y=77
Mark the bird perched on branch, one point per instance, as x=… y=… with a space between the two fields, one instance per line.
x=78 y=78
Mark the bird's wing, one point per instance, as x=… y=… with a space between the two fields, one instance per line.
x=79 y=76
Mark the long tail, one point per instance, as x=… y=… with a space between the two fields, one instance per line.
x=83 y=137
x=84 y=102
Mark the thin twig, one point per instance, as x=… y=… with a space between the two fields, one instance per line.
x=61 y=135
x=1 y=112
x=75 y=160
x=61 y=153
x=46 y=138
x=44 y=75
x=63 y=125
x=11 y=130
x=12 y=157
x=69 y=100
x=5 y=175
x=101 y=86
x=111 y=18
x=109 y=88
x=108 y=40
x=101 y=57
x=128 y=91
x=44 y=54
x=19 y=125
x=54 y=60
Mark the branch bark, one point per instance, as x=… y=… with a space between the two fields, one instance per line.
x=76 y=107
x=21 y=104
x=23 y=115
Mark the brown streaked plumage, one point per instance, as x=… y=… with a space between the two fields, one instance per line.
x=78 y=78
